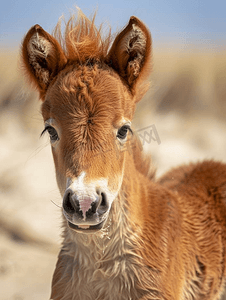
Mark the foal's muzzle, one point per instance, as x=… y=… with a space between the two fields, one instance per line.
x=84 y=211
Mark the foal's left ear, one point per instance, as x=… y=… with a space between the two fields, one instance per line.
x=43 y=57
x=130 y=53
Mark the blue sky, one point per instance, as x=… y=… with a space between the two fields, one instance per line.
x=190 y=21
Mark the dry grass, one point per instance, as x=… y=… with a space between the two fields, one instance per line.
x=16 y=98
x=188 y=82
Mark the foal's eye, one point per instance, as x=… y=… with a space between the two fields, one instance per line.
x=122 y=132
x=52 y=133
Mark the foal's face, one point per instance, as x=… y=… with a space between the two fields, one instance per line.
x=89 y=96
x=87 y=112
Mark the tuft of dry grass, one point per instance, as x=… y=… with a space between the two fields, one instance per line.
x=17 y=100
x=188 y=82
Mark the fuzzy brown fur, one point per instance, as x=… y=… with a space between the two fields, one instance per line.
x=163 y=239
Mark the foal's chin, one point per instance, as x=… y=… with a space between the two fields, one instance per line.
x=86 y=227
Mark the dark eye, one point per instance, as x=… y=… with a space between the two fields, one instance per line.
x=52 y=133
x=122 y=132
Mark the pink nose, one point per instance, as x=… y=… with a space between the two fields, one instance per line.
x=83 y=207
x=85 y=203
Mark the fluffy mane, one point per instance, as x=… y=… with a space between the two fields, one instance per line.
x=82 y=41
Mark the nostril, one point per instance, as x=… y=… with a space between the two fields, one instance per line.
x=94 y=207
x=104 y=203
x=103 y=200
x=68 y=204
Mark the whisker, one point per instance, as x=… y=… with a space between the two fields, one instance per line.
x=56 y=204
x=36 y=151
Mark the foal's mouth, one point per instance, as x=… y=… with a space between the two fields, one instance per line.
x=86 y=228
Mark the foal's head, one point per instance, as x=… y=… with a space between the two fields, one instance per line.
x=89 y=91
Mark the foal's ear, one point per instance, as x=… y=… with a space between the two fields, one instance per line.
x=130 y=53
x=42 y=56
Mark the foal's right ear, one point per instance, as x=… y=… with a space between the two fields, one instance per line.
x=130 y=53
x=43 y=57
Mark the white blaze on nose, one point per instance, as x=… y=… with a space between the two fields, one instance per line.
x=80 y=179
x=84 y=193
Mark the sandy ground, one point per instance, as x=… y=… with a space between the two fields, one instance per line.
x=29 y=221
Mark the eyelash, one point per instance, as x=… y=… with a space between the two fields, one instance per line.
x=121 y=134
x=124 y=130
x=52 y=133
